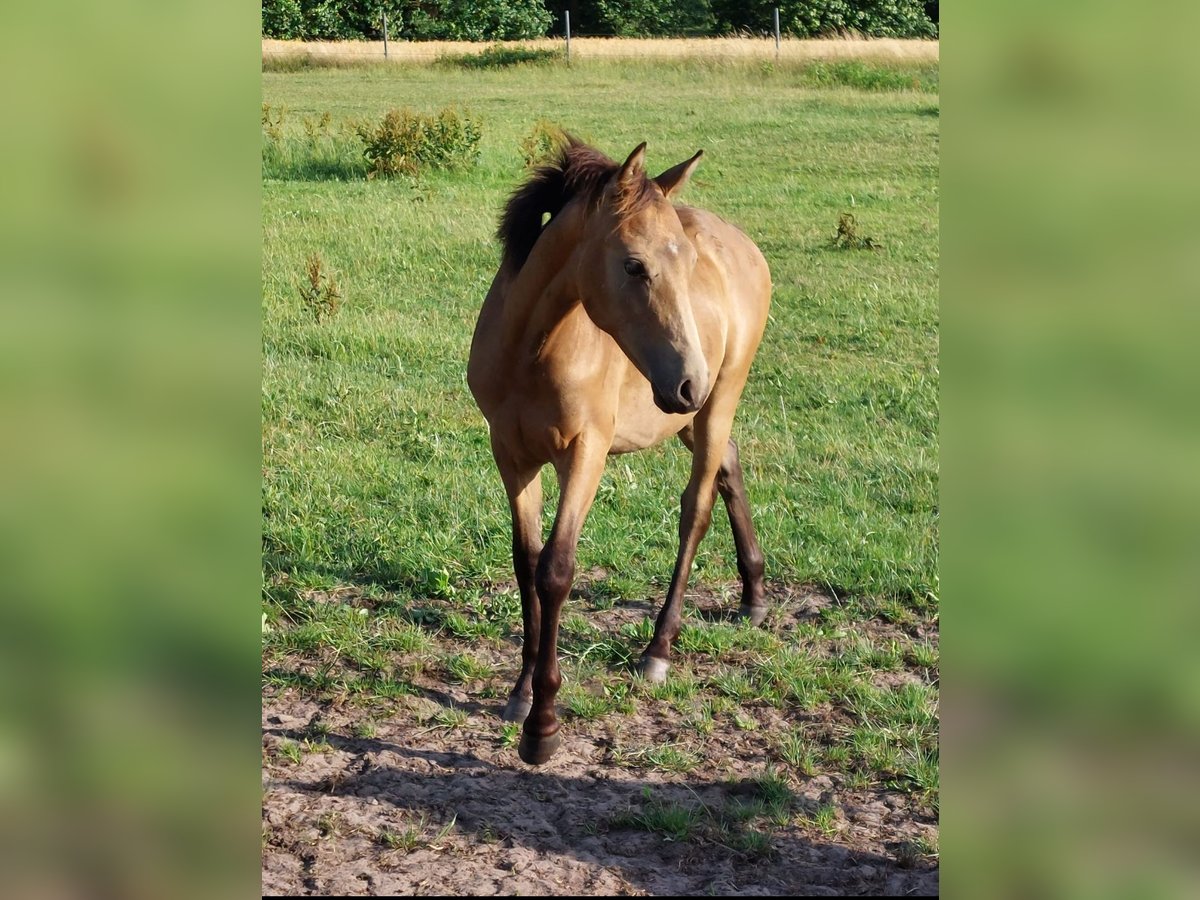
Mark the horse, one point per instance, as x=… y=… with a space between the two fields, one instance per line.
x=620 y=321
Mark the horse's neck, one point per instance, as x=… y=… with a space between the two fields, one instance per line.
x=546 y=288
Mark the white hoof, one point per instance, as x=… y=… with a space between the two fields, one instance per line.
x=653 y=670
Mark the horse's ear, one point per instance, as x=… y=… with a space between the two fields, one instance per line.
x=634 y=168
x=672 y=181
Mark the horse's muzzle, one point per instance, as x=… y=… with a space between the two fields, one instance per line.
x=686 y=398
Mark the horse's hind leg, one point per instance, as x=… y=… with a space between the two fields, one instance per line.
x=524 y=488
x=749 y=555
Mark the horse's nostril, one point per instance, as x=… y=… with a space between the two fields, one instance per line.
x=686 y=393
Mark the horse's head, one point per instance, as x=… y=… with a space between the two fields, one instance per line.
x=636 y=278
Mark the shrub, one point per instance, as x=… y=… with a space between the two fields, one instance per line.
x=810 y=18
x=500 y=57
x=282 y=19
x=479 y=20
x=406 y=141
x=541 y=143
x=634 y=18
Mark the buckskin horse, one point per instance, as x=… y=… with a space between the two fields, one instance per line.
x=622 y=320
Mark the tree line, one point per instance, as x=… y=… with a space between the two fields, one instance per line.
x=502 y=20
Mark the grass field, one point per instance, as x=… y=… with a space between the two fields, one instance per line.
x=387 y=567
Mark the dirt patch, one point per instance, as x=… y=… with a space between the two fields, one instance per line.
x=359 y=800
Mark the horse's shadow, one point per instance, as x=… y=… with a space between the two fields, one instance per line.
x=554 y=814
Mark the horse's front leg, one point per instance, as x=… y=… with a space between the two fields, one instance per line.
x=707 y=437
x=579 y=472
x=523 y=485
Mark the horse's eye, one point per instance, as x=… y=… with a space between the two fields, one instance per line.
x=635 y=268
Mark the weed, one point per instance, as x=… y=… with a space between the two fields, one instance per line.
x=848 y=238
x=910 y=853
x=320 y=293
x=272 y=122
x=744 y=722
x=510 y=734
x=327 y=824
x=405 y=142
x=542 y=143
x=291 y=750
x=407 y=839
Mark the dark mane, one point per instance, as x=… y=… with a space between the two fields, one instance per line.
x=578 y=170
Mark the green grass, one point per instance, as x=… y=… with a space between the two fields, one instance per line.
x=447 y=717
x=675 y=820
x=377 y=469
x=661 y=758
x=377 y=472
x=463 y=668
x=797 y=752
x=413 y=835
x=731 y=824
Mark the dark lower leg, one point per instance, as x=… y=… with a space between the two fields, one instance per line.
x=555 y=574
x=524 y=488
x=525 y=559
x=749 y=555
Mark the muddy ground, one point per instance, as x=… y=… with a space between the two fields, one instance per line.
x=408 y=806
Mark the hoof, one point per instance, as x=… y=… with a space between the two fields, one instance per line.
x=517 y=708
x=653 y=670
x=537 y=750
x=752 y=614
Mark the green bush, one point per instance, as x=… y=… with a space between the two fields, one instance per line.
x=406 y=142
x=810 y=18
x=500 y=57
x=282 y=19
x=633 y=18
x=508 y=20
x=483 y=20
